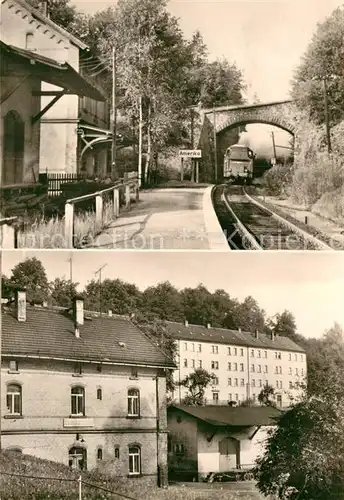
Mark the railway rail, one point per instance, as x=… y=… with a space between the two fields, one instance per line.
x=249 y=225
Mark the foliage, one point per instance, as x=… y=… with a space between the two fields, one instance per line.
x=324 y=58
x=265 y=397
x=30 y=274
x=163 y=301
x=62 y=292
x=114 y=295
x=305 y=453
x=196 y=383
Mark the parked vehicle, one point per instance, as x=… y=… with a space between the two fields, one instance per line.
x=230 y=476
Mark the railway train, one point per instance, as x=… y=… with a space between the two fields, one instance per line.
x=238 y=164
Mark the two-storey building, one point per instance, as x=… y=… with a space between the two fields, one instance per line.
x=73 y=120
x=242 y=363
x=83 y=389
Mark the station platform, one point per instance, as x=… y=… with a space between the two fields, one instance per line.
x=167 y=219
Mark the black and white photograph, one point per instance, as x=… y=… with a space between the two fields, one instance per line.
x=171 y=249
x=187 y=125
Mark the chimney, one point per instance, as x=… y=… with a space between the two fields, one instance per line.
x=109 y=313
x=186 y=323
x=21 y=305
x=43 y=7
x=256 y=334
x=239 y=330
x=78 y=310
x=272 y=336
x=45 y=303
x=208 y=325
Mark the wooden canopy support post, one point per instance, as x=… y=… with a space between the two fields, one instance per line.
x=57 y=97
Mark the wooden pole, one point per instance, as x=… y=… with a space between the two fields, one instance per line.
x=327 y=118
x=215 y=143
x=114 y=115
x=182 y=170
x=69 y=224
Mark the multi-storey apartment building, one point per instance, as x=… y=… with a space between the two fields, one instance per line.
x=65 y=126
x=242 y=363
x=83 y=389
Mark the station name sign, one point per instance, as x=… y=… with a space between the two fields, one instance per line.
x=190 y=153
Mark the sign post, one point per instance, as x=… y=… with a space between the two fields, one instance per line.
x=189 y=153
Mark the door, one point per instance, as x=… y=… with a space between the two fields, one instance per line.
x=13 y=148
x=228 y=454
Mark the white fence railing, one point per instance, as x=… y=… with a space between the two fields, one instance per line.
x=128 y=184
x=8 y=233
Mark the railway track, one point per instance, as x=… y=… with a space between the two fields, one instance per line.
x=249 y=225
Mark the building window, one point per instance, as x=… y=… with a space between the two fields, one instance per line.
x=258 y=353
x=289 y=357
x=99 y=368
x=280 y=370
x=266 y=369
x=133 y=403
x=296 y=371
x=78 y=401
x=13 y=148
x=215 y=349
x=290 y=385
x=235 y=351
x=215 y=365
x=78 y=458
x=260 y=383
x=290 y=371
x=236 y=382
x=253 y=369
x=265 y=354
x=99 y=394
x=235 y=367
x=13 y=365
x=295 y=357
x=199 y=347
x=193 y=347
x=99 y=454
x=185 y=363
x=229 y=397
x=229 y=366
x=116 y=451
x=242 y=382
x=228 y=351
x=215 y=396
x=134 y=373
x=253 y=383
x=14 y=399
x=302 y=372
x=192 y=363
x=252 y=353
x=301 y=357
x=259 y=369
x=178 y=449
x=185 y=346
x=241 y=367
x=134 y=460
x=200 y=363
x=78 y=369
x=276 y=369
x=229 y=381
x=215 y=380
x=29 y=41
x=241 y=352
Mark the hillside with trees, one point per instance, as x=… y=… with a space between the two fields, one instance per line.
x=316 y=179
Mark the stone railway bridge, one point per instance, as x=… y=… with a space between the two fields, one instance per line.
x=227 y=119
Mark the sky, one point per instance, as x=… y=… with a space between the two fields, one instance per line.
x=308 y=284
x=266 y=39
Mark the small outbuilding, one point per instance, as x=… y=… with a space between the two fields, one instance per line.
x=205 y=439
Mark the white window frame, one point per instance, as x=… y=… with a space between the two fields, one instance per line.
x=133 y=402
x=14 y=397
x=134 y=460
x=79 y=400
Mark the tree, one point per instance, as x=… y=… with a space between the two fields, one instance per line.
x=247 y=315
x=323 y=59
x=284 y=324
x=62 y=292
x=31 y=275
x=163 y=301
x=196 y=383
x=265 y=397
x=304 y=457
x=115 y=295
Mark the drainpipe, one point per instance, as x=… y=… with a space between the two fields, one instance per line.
x=248 y=391
x=157 y=428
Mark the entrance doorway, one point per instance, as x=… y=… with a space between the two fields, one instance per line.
x=229 y=458
x=13 y=148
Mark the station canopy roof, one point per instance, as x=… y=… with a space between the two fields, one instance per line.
x=15 y=60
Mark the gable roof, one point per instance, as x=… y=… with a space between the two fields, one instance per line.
x=241 y=416
x=37 y=14
x=48 y=70
x=200 y=333
x=50 y=333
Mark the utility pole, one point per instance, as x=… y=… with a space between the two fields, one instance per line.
x=327 y=118
x=114 y=115
x=70 y=260
x=193 y=161
x=99 y=271
x=274 y=144
x=215 y=142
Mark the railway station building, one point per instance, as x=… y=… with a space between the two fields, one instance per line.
x=82 y=389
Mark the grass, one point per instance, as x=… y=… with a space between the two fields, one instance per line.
x=49 y=234
x=48 y=488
